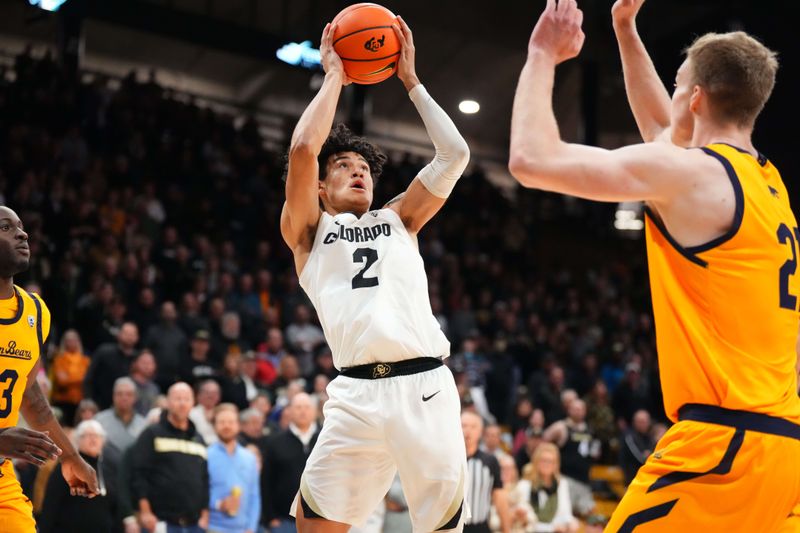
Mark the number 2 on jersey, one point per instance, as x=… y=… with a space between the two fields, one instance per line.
x=788 y=269
x=370 y=255
x=8 y=377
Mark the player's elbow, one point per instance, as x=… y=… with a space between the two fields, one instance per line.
x=301 y=150
x=527 y=171
x=461 y=153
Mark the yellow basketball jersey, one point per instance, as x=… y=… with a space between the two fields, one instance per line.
x=726 y=313
x=24 y=326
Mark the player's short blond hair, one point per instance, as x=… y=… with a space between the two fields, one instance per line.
x=736 y=71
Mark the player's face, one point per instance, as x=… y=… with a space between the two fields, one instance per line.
x=14 y=251
x=347 y=186
x=682 y=119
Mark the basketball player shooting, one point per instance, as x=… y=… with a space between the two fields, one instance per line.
x=394 y=406
x=721 y=243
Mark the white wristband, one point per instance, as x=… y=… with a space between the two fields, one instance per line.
x=452 y=152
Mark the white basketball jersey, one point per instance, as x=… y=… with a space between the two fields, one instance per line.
x=367 y=281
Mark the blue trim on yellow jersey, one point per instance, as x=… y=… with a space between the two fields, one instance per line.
x=39 y=335
x=738 y=214
x=760 y=158
x=14 y=319
x=670 y=239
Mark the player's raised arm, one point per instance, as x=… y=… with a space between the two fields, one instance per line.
x=429 y=190
x=301 y=211
x=538 y=156
x=647 y=96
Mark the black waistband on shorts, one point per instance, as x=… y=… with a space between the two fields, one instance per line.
x=390 y=370
x=746 y=420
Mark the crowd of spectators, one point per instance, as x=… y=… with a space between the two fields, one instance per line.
x=154 y=236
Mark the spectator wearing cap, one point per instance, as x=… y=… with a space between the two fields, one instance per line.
x=121 y=422
x=109 y=362
x=143 y=372
x=198 y=364
x=168 y=343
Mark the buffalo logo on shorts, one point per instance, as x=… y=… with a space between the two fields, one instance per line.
x=381 y=371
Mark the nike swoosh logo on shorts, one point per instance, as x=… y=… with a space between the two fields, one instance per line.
x=426 y=398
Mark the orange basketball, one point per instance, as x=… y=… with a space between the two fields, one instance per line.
x=366 y=42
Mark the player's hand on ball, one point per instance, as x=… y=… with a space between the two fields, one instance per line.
x=331 y=62
x=28 y=445
x=81 y=478
x=406 y=65
x=558 y=32
x=625 y=11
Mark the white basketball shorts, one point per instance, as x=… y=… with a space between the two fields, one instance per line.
x=409 y=424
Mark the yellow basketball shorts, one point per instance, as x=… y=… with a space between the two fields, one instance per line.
x=16 y=510
x=717 y=470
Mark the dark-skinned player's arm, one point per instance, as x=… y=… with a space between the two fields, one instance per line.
x=301 y=211
x=81 y=478
x=647 y=96
x=540 y=159
x=429 y=190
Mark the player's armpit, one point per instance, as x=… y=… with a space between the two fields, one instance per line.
x=416 y=206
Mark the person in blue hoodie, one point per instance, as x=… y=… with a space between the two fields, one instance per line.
x=235 y=493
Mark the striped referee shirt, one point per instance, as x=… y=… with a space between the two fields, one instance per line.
x=483 y=477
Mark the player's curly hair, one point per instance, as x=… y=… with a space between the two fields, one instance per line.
x=341 y=139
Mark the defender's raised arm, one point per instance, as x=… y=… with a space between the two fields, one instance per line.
x=647 y=96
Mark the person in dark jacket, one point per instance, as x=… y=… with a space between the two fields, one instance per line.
x=62 y=513
x=170 y=471
x=284 y=460
x=169 y=345
x=109 y=362
x=637 y=444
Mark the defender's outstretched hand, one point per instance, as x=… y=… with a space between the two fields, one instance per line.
x=406 y=66
x=331 y=62
x=558 y=32
x=624 y=11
